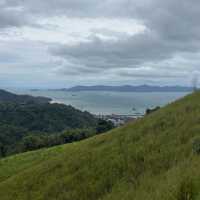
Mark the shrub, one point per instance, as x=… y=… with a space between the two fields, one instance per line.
x=196 y=145
x=149 y=111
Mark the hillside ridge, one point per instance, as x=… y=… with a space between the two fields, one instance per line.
x=6 y=97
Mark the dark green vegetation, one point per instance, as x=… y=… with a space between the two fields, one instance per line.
x=30 y=126
x=6 y=97
x=45 y=117
x=41 y=124
x=149 y=110
x=154 y=158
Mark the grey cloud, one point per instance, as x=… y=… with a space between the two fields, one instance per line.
x=14 y=16
x=172 y=29
x=78 y=71
x=175 y=20
x=75 y=8
x=129 y=52
x=9 y=19
x=161 y=15
x=152 y=74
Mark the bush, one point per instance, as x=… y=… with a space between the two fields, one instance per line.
x=149 y=111
x=196 y=145
x=104 y=126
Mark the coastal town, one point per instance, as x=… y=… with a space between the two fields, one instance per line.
x=119 y=120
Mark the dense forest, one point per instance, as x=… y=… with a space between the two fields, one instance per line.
x=30 y=125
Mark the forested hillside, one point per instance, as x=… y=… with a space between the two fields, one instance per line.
x=30 y=125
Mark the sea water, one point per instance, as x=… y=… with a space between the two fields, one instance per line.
x=104 y=103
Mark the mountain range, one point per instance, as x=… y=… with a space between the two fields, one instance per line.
x=129 y=88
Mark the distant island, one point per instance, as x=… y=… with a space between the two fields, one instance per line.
x=128 y=88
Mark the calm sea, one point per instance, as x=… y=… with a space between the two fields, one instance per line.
x=124 y=103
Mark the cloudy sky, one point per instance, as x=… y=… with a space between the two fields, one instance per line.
x=61 y=43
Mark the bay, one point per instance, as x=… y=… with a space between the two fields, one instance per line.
x=105 y=103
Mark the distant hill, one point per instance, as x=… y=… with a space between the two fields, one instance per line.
x=28 y=123
x=129 y=88
x=6 y=96
x=154 y=158
x=45 y=117
x=44 y=123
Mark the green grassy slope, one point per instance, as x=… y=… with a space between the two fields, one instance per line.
x=151 y=158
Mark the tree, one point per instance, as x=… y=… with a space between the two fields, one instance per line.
x=32 y=142
x=2 y=150
x=104 y=126
x=149 y=111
